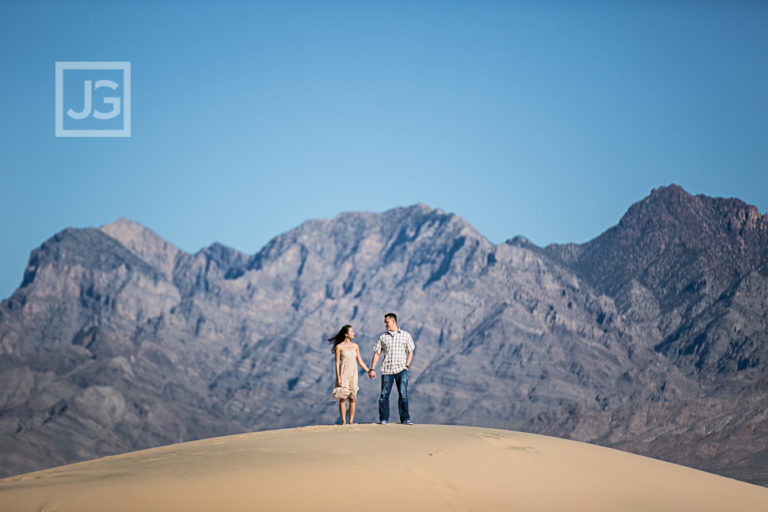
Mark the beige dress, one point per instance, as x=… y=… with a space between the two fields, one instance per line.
x=348 y=374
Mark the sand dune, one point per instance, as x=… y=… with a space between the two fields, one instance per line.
x=374 y=467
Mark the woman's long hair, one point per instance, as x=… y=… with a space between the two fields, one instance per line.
x=340 y=337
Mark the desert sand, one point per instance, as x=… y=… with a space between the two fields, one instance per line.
x=378 y=467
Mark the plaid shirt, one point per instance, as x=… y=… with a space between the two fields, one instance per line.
x=394 y=347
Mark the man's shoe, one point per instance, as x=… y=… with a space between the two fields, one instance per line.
x=407 y=422
x=383 y=422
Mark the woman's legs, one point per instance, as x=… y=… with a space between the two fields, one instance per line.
x=343 y=411
x=351 y=410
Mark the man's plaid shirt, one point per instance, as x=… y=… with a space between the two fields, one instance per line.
x=394 y=347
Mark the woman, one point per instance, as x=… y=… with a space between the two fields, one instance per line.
x=347 y=358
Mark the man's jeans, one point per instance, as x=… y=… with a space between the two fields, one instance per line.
x=401 y=379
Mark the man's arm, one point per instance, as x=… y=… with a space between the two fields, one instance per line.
x=410 y=346
x=376 y=354
x=371 y=373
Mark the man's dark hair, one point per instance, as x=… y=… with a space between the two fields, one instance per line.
x=392 y=316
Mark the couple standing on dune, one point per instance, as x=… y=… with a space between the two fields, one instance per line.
x=395 y=349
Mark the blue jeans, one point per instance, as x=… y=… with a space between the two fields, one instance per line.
x=401 y=379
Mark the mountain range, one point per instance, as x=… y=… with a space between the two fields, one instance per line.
x=650 y=338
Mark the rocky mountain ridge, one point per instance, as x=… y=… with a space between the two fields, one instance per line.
x=650 y=338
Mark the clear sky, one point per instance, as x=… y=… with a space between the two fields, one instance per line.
x=540 y=118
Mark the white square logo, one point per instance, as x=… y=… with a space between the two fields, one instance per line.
x=93 y=99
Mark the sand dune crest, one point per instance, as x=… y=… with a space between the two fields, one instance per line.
x=373 y=467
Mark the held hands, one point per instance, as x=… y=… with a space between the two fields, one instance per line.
x=371 y=374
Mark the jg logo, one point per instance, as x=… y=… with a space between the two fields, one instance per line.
x=93 y=99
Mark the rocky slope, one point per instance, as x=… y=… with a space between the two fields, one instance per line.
x=649 y=338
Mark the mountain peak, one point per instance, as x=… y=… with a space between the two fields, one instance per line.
x=425 y=208
x=127 y=231
x=672 y=235
x=664 y=204
x=144 y=243
x=671 y=190
x=415 y=210
x=124 y=221
x=422 y=213
x=696 y=215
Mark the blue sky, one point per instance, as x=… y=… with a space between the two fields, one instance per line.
x=541 y=118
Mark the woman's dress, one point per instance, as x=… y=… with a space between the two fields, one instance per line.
x=348 y=374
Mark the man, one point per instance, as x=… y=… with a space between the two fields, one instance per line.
x=395 y=347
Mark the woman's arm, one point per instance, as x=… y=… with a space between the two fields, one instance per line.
x=338 y=361
x=360 y=359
